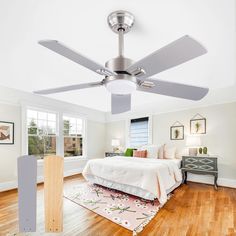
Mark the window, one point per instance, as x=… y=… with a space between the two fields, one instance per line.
x=139 y=132
x=73 y=136
x=52 y=133
x=42 y=133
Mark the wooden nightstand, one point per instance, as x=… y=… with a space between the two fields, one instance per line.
x=203 y=165
x=112 y=154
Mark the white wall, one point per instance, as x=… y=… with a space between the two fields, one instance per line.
x=8 y=153
x=96 y=137
x=12 y=105
x=220 y=137
x=115 y=130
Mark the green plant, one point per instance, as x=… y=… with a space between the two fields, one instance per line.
x=205 y=150
x=176 y=133
x=200 y=150
x=197 y=126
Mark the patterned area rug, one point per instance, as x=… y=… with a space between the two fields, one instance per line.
x=131 y=212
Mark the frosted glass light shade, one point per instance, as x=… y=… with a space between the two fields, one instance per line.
x=120 y=86
x=115 y=142
x=193 y=141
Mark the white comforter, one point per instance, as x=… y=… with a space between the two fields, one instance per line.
x=152 y=175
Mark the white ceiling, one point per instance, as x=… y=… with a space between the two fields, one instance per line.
x=82 y=25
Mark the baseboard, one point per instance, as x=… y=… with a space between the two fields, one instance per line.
x=231 y=183
x=8 y=185
x=13 y=184
x=73 y=172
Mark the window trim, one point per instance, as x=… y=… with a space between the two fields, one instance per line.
x=60 y=126
x=45 y=111
x=38 y=109
x=84 y=131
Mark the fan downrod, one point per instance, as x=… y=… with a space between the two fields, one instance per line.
x=120 y=20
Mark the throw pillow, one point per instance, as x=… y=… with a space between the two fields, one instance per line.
x=152 y=150
x=129 y=152
x=142 y=153
x=178 y=154
x=161 y=152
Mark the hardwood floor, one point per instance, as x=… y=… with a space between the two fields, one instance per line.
x=194 y=209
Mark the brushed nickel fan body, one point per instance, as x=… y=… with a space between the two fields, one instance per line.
x=120 y=22
x=122 y=76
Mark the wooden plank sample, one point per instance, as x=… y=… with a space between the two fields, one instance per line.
x=53 y=193
x=27 y=192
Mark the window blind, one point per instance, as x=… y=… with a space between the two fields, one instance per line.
x=139 y=132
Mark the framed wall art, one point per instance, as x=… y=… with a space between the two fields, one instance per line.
x=198 y=125
x=177 y=131
x=6 y=132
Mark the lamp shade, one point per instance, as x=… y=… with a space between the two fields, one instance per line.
x=193 y=141
x=115 y=142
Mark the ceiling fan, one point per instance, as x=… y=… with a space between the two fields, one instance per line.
x=122 y=76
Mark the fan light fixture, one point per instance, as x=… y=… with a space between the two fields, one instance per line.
x=121 y=87
x=121 y=75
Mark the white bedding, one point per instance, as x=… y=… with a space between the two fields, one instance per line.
x=144 y=177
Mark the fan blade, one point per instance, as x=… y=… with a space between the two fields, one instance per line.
x=69 y=88
x=172 y=89
x=120 y=103
x=63 y=50
x=174 y=54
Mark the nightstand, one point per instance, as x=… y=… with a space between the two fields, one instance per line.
x=112 y=154
x=203 y=165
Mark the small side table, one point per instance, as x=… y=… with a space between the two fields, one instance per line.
x=112 y=154
x=203 y=165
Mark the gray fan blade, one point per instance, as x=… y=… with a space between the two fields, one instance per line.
x=63 y=50
x=174 y=54
x=27 y=193
x=172 y=89
x=69 y=88
x=120 y=103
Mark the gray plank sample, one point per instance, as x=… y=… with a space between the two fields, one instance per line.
x=27 y=193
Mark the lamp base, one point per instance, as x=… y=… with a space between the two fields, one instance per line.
x=115 y=149
x=192 y=151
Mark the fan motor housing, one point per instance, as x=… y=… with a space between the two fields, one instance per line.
x=118 y=64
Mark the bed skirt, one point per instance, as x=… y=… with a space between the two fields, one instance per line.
x=127 y=188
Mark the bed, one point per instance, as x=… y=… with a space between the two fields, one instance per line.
x=147 y=178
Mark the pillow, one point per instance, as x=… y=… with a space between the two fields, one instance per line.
x=129 y=152
x=169 y=152
x=161 y=152
x=152 y=150
x=178 y=154
x=142 y=153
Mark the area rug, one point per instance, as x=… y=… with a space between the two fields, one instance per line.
x=131 y=212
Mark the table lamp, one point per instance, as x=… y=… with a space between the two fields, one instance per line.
x=193 y=142
x=115 y=143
